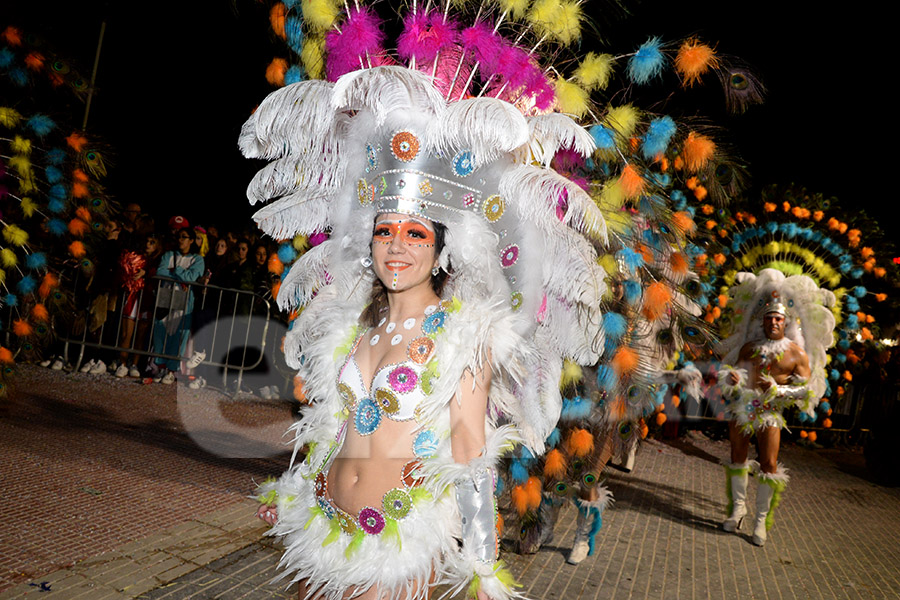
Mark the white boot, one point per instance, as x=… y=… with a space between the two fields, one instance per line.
x=768 y=496
x=581 y=547
x=736 y=487
x=588 y=524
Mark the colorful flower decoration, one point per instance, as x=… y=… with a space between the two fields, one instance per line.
x=396 y=503
x=425 y=444
x=405 y=146
x=403 y=379
x=420 y=350
x=371 y=521
x=434 y=322
x=509 y=256
x=368 y=417
x=493 y=208
x=386 y=401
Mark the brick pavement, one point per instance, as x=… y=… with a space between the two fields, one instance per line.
x=835 y=537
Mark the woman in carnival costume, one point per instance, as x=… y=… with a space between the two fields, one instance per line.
x=782 y=329
x=459 y=274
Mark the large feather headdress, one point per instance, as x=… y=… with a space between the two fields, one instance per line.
x=809 y=320
x=520 y=238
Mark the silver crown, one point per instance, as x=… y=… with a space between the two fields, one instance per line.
x=775 y=306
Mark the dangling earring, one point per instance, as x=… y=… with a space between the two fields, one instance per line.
x=435 y=271
x=366 y=261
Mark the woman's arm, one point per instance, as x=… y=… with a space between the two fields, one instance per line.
x=467 y=416
x=475 y=492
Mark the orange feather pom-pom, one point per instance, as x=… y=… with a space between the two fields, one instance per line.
x=78 y=228
x=580 y=442
x=683 y=222
x=698 y=149
x=657 y=297
x=679 y=263
x=276 y=19
x=48 y=284
x=276 y=70
x=632 y=182
x=624 y=361
x=6 y=356
x=76 y=249
x=40 y=313
x=76 y=142
x=660 y=418
x=693 y=60
x=555 y=464
x=21 y=328
x=275 y=265
x=526 y=496
x=80 y=190
x=83 y=213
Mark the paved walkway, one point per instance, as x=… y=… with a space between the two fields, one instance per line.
x=108 y=494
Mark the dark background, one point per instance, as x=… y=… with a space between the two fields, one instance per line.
x=177 y=79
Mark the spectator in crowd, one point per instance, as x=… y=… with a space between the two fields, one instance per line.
x=175 y=303
x=138 y=270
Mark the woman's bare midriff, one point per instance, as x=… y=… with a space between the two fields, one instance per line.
x=368 y=466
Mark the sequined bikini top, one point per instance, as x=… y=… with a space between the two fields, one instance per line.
x=396 y=388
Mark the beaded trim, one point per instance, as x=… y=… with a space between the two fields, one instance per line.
x=396 y=503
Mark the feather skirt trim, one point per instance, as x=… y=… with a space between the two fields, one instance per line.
x=425 y=535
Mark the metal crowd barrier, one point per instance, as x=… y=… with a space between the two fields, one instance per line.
x=234 y=327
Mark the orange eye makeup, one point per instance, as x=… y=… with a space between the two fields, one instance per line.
x=413 y=233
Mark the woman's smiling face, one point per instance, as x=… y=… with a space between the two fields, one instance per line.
x=403 y=251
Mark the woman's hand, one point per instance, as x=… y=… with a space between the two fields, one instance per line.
x=268 y=513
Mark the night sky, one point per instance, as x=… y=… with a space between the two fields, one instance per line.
x=177 y=79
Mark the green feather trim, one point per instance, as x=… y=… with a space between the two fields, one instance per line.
x=504 y=576
x=391 y=531
x=472 y=592
x=355 y=543
x=334 y=534
x=344 y=349
x=428 y=375
x=419 y=494
x=314 y=512
x=729 y=473
x=778 y=488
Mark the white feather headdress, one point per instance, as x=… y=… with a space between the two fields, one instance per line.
x=520 y=236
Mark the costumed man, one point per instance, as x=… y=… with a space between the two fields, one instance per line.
x=783 y=328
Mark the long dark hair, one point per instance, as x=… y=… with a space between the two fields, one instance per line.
x=378 y=302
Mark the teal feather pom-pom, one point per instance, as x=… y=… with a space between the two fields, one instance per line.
x=604 y=138
x=632 y=259
x=26 y=285
x=647 y=62
x=41 y=125
x=659 y=133
x=10 y=300
x=294 y=74
x=575 y=409
x=614 y=326
x=632 y=290
x=286 y=253
x=517 y=472
x=36 y=260
x=57 y=226
x=553 y=438
x=606 y=378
